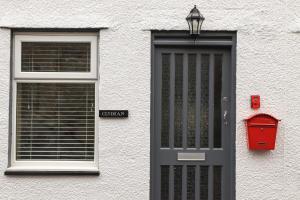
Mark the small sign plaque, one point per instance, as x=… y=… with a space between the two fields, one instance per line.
x=113 y=113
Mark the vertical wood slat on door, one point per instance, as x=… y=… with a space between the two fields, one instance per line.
x=225 y=99
x=211 y=102
x=225 y=187
x=225 y=142
x=223 y=103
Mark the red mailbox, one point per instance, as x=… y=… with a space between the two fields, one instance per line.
x=261 y=130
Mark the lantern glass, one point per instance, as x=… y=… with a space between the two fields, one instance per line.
x=190 y=26
x=195 y=27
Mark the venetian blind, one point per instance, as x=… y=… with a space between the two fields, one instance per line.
x=55 y=121
x=55 y=57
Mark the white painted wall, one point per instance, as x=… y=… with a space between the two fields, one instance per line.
x=268 y=50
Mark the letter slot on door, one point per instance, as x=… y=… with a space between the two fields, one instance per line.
x=184 y=156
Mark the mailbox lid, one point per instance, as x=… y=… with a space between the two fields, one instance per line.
x=262 y=119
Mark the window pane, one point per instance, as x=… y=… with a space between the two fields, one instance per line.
x=55 y=57
x=55 y=121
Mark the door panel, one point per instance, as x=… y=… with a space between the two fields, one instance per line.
x=191 y=142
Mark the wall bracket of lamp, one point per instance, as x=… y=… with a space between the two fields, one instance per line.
x=195 y=20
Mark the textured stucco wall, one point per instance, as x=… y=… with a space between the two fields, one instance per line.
x=268 y=50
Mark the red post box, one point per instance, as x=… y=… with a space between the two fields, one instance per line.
x=261 y=130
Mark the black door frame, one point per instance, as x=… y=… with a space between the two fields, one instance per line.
x=206 y=39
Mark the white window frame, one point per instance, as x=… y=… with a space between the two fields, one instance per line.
x=19 y=38
x=62 y=77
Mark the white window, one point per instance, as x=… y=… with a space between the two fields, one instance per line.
x=54 y=102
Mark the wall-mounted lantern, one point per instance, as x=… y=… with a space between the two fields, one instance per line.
x=195 y=20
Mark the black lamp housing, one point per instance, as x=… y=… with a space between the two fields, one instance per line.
x=195 y=20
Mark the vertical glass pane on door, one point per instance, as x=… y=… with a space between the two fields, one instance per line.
x=164 y=184
x=217 y=182
x=203 y=182
x=191 y=182
x=217 y=101
x=177 y=182
x=165 y=95
x=178 y=100
x=191 y=100
x=204 y=100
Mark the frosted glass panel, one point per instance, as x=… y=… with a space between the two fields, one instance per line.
x=177 y=182
x=217 y=101
x=165 y=95
x=164 y=185
x=191 y=100
x=204 y=100
x=217 y=182
x=203 y=182
x=191 y=182
x=178 y=100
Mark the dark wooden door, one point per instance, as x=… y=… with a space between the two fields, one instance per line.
x=191 y=144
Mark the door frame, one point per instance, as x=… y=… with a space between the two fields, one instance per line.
x=206 y=39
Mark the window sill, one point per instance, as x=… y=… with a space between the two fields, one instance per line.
x=43 y=172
